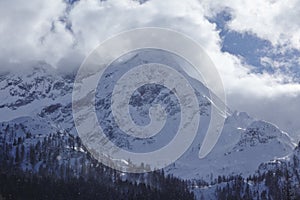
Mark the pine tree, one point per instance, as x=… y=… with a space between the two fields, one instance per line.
x=17 y=158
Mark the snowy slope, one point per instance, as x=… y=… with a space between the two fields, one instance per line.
x=239 y=151
x=26 y=92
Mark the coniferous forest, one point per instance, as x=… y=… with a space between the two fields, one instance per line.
x=49 y=170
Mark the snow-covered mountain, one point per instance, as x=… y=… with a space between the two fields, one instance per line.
x=27 y=92
x=276 y=179
x=40 y=99
x=36 y=108
x=239 y=151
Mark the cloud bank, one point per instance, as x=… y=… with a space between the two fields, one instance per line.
x=63 y=34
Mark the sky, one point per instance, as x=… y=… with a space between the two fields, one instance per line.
x=255 y=45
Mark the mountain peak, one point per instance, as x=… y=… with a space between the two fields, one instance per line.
x=260 y=132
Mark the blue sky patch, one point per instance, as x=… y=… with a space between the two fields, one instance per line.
x=257 y=52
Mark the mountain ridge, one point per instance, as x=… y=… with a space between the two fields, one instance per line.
x=58 y=112
x=244 y=147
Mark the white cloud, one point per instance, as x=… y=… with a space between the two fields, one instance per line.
x=25 y=31
x=274 y=20
x=32 y=30
x=108 y=18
